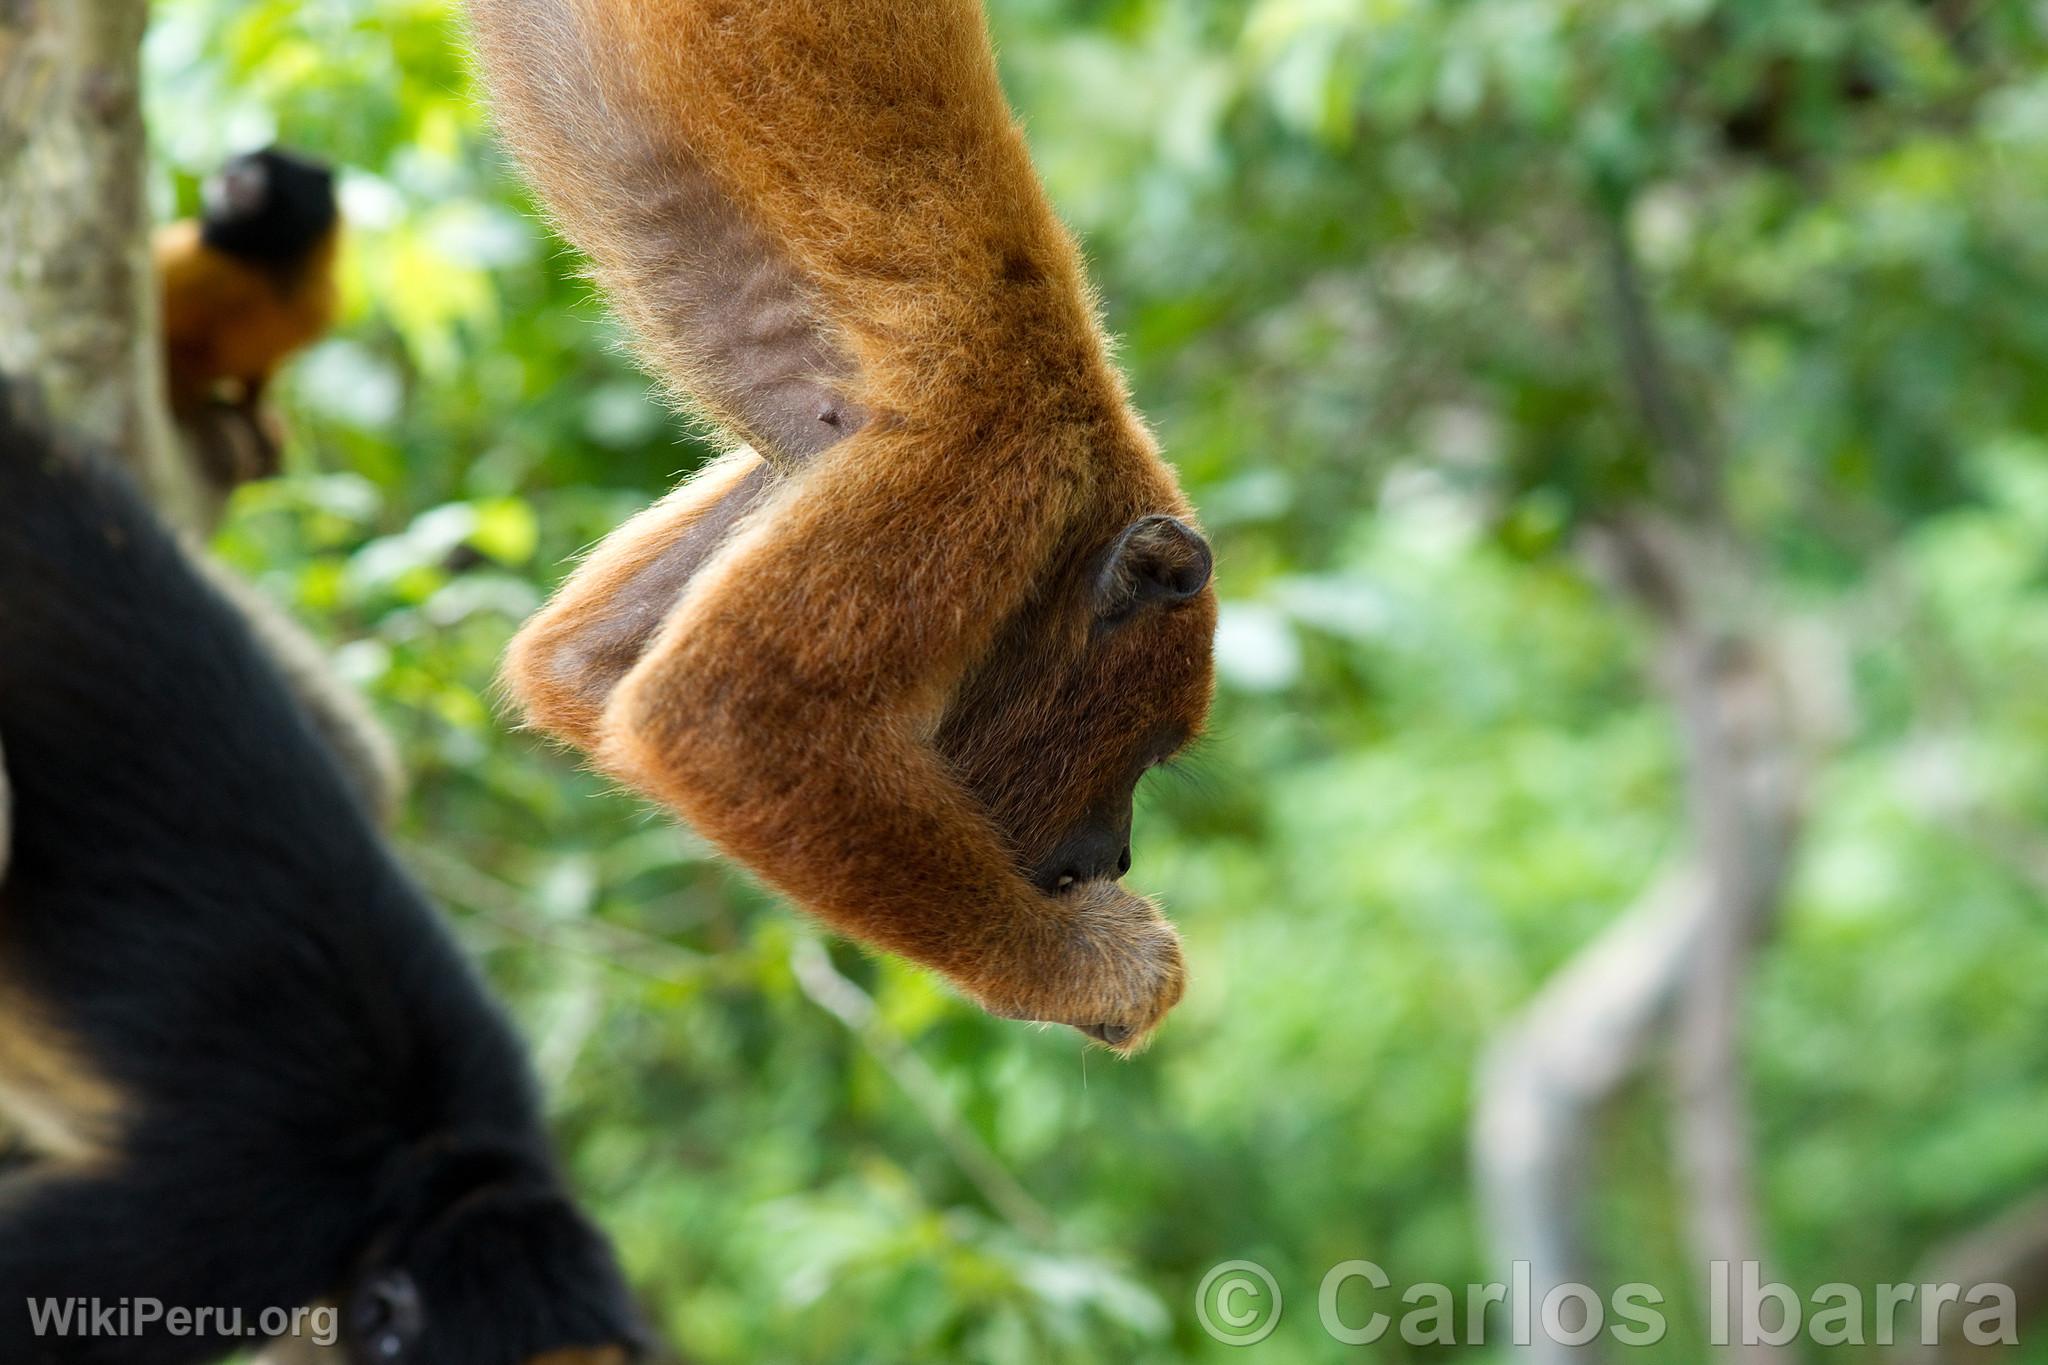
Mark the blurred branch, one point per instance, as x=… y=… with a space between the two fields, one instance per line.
x=841 y=997
x=500 y=905
x=367 y=754
x=1694 y=461
x=1743 y=784
x=1746 y=793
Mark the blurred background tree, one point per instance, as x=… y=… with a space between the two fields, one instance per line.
x=1432 y=302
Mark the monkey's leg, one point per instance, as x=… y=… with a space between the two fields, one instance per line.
x=565 y=662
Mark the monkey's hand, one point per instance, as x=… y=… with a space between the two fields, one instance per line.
x=1109 y=965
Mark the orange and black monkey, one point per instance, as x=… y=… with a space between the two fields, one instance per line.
x=907 y=652
x=242 y=287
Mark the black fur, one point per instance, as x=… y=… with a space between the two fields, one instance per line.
x=319 y=1091
x=269 y=207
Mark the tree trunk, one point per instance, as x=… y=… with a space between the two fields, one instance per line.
x=1681 y=961
x=1675 y=965
x=1745 y=815
x=77 y=297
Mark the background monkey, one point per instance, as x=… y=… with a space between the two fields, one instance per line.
x=908 y=654
x=242 y=287
x=256 y=1070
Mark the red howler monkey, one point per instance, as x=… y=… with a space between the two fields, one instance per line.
x=242 y=287
x=907 y=656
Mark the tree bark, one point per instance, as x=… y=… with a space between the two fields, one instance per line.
x=77 y=297
x=1747 y=819
x=1745 y=816
x=1676 y=963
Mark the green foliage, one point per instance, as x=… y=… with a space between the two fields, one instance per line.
x=1353 y=247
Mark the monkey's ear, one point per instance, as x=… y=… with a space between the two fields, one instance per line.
x=1155 y=559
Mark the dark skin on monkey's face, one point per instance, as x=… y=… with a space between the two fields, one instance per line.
x=255 y=1069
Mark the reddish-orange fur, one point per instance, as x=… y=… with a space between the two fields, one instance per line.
x=886 y=690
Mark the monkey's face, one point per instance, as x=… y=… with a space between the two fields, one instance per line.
x=1100 y=680
x=508 y=1276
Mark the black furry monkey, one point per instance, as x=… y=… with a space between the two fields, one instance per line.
x=256 y=1071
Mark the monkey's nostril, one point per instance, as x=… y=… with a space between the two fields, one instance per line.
x=1091 y=856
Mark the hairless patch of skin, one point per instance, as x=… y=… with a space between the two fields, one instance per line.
x=709 y=291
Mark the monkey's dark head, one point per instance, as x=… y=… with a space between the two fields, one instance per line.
x=490 y=1264
x=1103 y=678
x=271 y=207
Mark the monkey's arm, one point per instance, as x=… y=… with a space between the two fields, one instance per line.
x=813 y=764
x=786 y=709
